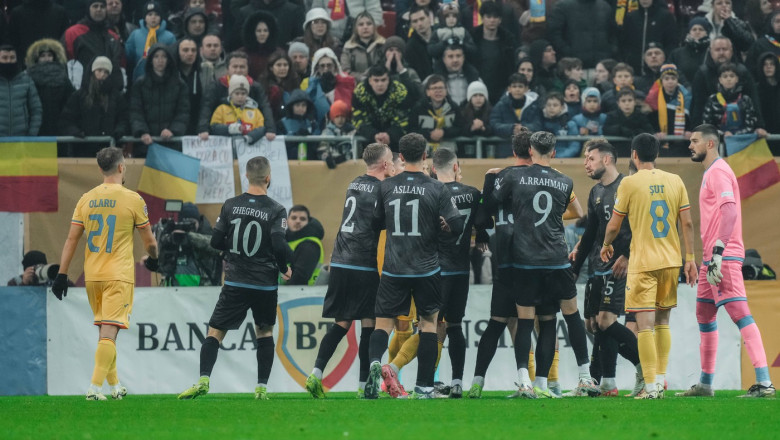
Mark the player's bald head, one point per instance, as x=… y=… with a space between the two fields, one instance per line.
x=108 y=160
x=257 y=169
x=374 y=154
x=412 y=147
x=521 y=144
x=443 y=159
x=646 y=147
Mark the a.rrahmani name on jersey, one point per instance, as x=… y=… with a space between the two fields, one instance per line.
x=543 y=181
x=408 y=189
x=363 y=187
x=252 y=212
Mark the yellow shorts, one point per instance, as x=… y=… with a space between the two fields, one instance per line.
x=412 y=316
x=648 y=291
x=111 y=302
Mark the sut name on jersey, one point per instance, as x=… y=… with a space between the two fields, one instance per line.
x=102 y=203
x=252 y=212
x=656 y=189
x=409 y=189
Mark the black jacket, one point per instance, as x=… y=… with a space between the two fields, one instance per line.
x=584 y=29
x=34 y=20
x=417 y=57
x=289 y=17
x=640 y=27
x=421 y=121
x=82 y=118
x=54 y=88
x=507 y=45
x=705 y=84
x=690 y=56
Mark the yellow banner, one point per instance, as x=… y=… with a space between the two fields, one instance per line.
x=165 y=186
x=28 y=159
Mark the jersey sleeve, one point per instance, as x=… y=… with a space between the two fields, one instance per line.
x=78 y=218
x=221 y=224
x=721 y=186
x=447 y=207
x=623 y=198
x=502 y=189
x=685 y=204
x=279 y=225
x=141 y=213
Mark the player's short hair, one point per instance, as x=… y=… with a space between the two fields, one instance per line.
x=603 y=146
x=373 y=153
x=646 y=147
x=443 y=158
x=412 y=146
x=625 y=92
x=543 y=142
x=109 y=158
x=708 y=131
x=521 y=143
x=257 y=169
x=300 y=208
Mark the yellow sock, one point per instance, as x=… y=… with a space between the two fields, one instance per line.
x=112 y=378
x=438 y=356
x=553 y=375
x=647 y=355
x=104 y=355
x=399 y=338
x=663 y=344
x=531 y=366
x=407 y=352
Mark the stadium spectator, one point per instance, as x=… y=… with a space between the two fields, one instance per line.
x=328 y=83
x=117 y=20
x=496 y=46
x=212 y=57
x=239 y=115
x=590 y=121
x=300 y=116
x=569 y=69
x=159 y=102
x=364 y=48
x=316 y=31
x=726 y=24
x=379 y=108
x=544 y=59
x=654 y=58
x=260 y=41
x=342 y=14
x=730 y=110
x=584 y=29
x=514 y=111
x=152 y=30
x=671 y=104
x=555 y=117
x=190 y=71
x=756 y=13
x=34 y=20
x=20 y=106
x=476 y=111
x=279 y=80
x=339 y=124
x=417 y=46
x=46 y=66
x=299 y=55
x=97 y=109
x=572 y=95
x=626 y=121
x=304 y=236
x=403 y=21
x=289 y=17
x=237 y=64
x=693 y=51
x=470 y=16
x=456 y=71
x=450 y=27
x=194 y=20
x=769 y=90
x=437 y=117
x=602 y=78
x=526 y=67
x=769 y=41
x=622 y=78
x=650 y=22
x=34 y=263
x=394 y=49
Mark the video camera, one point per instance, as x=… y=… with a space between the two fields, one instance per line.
x=171 y=235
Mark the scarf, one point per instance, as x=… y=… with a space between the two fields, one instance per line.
x=438 y=120
x=679 y=112
x=623 y=8
x=476 y=18
x=151 y=39
x=337 y=10
x=734 y=117
x=538 y=11
x=774 y=42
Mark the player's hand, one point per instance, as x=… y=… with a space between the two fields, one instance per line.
x=573 y=254
x=151 y=263
x=606 y=253
x=28 y=276
x=60 y=286
x=444 y=225
x=270 y=136
x=483 y=247
x=620 y=267
x=287 y=275
x=714 y=274
x=204 y=136
x=493 y=170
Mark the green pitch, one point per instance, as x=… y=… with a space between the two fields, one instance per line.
x=341 y=416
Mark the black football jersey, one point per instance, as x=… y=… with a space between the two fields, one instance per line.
x=246 y=223
x=356 y=241
x=409 y=207
x=504 y=225
x=600 y=204
x=454 y=249
x=538 y=197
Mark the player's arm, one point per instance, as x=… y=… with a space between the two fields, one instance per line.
x=150 y=243
x=613 y=227
x=686 y=226
x=581 y=251
x=60 y=286
x=574 y=210
x=281 y=249
x=491 y=196
x=450 y=217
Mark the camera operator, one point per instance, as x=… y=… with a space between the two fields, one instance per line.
x=186 y=257
x=37 y=271
x=304 y=236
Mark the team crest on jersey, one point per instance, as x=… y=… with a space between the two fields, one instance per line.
x=301 y=329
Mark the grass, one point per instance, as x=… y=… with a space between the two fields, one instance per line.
x=341 y=416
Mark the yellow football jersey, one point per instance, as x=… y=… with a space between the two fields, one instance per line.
x=653 y=200
x=109 y=213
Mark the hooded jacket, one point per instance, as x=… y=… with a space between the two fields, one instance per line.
x=705 y=84
x=88 y=39
x=584 y=29
x=159 y=102
x=34 y=20
x=373 y=114
x=295 y=125
x=259 y=53
x=20 y=107
x=770 y=94
x=644 y=25
x=289 y=17
x=342 y=87
x=51 y=82
x=217 y=93
x=763 y=44
x=690 y=56
x=545 y=78
x=134 y=47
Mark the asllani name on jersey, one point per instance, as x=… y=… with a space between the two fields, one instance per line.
x=409 y=189
x=243 y=210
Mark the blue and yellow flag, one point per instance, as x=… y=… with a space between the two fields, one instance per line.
x=167 y=174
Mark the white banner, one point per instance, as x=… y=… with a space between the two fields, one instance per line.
x=215 y=178
x=160 y=352
x=276 y=153
x=12 y=237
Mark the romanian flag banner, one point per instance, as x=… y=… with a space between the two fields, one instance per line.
x=167 y=175
x=28 y=174
x=752 y=162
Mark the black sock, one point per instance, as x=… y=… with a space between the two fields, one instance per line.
x=457 y=350
x=579 y=343
x=487 y=346
x=365 y=363
x=523 y=342
x=208 y=355
x=328 y=345
x=265 y=358
x=627 y=343
x=427 y=352
x=595 y=359
x=545 y=346
x=608 y=355
x=377 y=346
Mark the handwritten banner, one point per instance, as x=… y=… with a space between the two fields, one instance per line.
x=276 y=153
x=215 y=179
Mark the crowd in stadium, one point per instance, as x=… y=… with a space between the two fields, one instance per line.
x=380 y=69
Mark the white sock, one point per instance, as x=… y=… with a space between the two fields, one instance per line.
x=478 y=380
x=584 y=371
x=650 y=387
x=262 y=385
x=540 y=382
x=766 y=383
x=317 y=373
x=95 y=388
x=394 y=367
x=117 y=386
x=525 y=378
x=706 y=386
x=660 y=379
x=608 y=383
x=361 y=385
x=457 y=382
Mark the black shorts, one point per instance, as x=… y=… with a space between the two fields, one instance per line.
x=607 y=294
x=454 y=293
x=234 y=302
x=395 y=294
x=351 y=294
x=540 y=287
x=630 y=317
x=502 y=303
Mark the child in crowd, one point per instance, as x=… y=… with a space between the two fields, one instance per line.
x=622 y=78
x=476 y=116
x=572 y=94
x=569 y=68
x=300 y=120
x=555 y=116
x=626 y=121
x=339 y=124
x=513 y=111
x=730 y=110
x=239 y=116
x=451 y=27
x=590 y=122
x=437 y=117
x=152 y=31
x=671 y=103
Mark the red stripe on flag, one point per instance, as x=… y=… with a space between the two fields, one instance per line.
x=28 y=193
x=155 y=206
x=758 y=179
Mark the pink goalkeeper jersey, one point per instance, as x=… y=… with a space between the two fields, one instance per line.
x=719 y=186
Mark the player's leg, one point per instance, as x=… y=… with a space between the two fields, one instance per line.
x=706 y=317
x=428 y=299
x=366 y=329
x=264 y=313
x=641 y=300
x=111 y=302
x=528 y=285
x=666 y=300
x=565 y=291
x=402 y=332
x=454 y=311
x=328 y=346
x=590 y=312
x=545 y=349
x=393 y=299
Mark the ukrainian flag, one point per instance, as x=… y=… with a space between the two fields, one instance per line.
x=28 y=174
x=167 y=174
x=752 y=163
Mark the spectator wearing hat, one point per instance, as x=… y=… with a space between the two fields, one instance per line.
x=670 y=102
x=339 y=124
x=35 y=20
x=416 y=52
x=693 y=51
x=544 y=59
x=328 y=83
x=450 y=28
x=299 y=55
x=97 y=109
x=239 y=115
x=495 y=46
x=457 y=72
x=31 y=262
x=152 y=29
x=651 y=21
x=363 y=49
x=46 y=66
x=289 y=17
x=590 y=121
x=476 y=111
x=394 y=50
x=20 y=107
x=317 y=31
x=260 y=41
x=436 y=116
x=342 y=14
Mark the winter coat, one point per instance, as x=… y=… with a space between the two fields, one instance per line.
x=417 y=57
x=421 y=119
x=763 y=44
x=594 y=122
x=618 y=124
x=134 y=46
x=87 y=39
x=289 y=17
x=343 y=91
x=34 y=20
x=249 y=116
x=736 y=30
x=770 y=95
x=705 y=84
x=542 y=77
x=372 y=115
x=483 y=114
x=690 y=56
x=80 y=118
x=54 y=89
x=356 y=58
x=20 y=107
x=159 y=102
x=354 y=8
x=645 y=25
x=584 y=29
x=609 y=99
x=671 y=107
x=496 y=79
x=295 y=125
x=558 y=125
x=177 y=23
x=259 y=53
x=217 y=93
x=715 y=112
x=503 y=120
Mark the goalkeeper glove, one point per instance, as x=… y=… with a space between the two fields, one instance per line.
x=60 y=286
x=151 y=264
x=714 y=274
